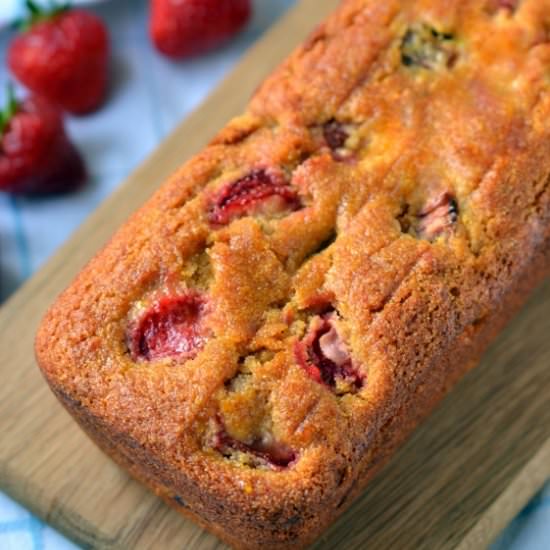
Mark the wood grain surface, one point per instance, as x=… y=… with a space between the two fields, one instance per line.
x=460 y=479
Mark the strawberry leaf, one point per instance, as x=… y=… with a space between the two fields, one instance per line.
x=36 y=13
x=9 y=110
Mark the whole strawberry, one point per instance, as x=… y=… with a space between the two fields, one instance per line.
x=36 y=156
x=183 y=28
x=62 y=54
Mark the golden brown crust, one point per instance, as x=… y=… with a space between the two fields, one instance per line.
x=332 y=263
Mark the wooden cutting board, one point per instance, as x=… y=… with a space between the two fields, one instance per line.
x=460 y=479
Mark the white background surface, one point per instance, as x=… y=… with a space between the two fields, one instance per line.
x=13 y=9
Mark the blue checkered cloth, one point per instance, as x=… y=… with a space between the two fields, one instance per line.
x=156 y=94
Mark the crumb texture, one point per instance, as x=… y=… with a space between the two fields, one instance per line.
x=254 y=341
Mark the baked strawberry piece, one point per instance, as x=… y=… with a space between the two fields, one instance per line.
x=263 y=451
x=171 y=327
x=62 y=54
x=325 y=357
x=494 y=6
x=36 y=156
x=183 y=28
x=335 y=134
x=259 y=192
x=438 y=217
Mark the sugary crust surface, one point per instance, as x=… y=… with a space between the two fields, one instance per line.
x=258 y=339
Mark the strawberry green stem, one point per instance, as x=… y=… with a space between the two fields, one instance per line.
x=32 y=7
x=9 y=110
x=36 y=13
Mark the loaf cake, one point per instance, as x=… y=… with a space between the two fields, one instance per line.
x=259 y=338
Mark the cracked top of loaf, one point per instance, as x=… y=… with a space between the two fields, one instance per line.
x=275 y=303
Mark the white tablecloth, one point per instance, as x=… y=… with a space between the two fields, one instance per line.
x=149 y=97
